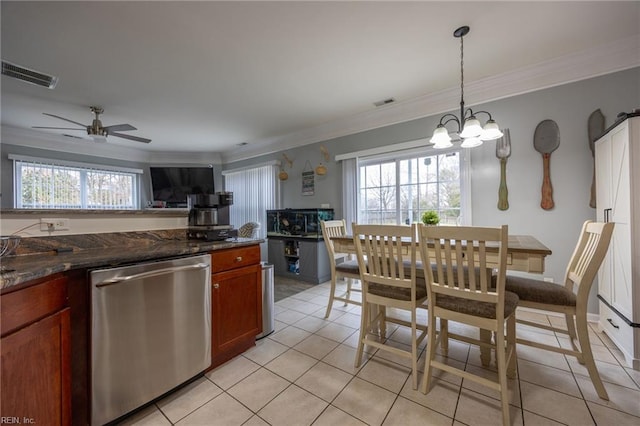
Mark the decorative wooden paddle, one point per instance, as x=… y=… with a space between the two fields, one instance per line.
x=596 y=128
x=546 y=139
x=503 y=151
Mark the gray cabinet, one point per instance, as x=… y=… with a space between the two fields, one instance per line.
x=306 y=260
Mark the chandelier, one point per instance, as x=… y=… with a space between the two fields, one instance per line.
x=469 y=128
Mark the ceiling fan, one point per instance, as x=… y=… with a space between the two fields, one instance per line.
x=95 y=129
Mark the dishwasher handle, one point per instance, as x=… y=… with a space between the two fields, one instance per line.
x=149 y=274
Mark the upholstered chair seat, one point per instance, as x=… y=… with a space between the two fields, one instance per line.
x=537 y=291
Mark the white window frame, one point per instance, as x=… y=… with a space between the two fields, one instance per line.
x=405 y=151
x=83 y=168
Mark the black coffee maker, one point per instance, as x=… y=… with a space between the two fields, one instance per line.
x=209 y=216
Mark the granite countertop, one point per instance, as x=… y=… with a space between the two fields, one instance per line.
x=22 y=268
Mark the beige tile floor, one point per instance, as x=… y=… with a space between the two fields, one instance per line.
x=303 y=374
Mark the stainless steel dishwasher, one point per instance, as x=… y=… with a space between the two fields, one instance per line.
x=150 y=332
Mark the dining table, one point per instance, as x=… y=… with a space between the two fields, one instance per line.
x=525 y=253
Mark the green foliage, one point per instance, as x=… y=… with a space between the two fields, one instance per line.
x=430 y=217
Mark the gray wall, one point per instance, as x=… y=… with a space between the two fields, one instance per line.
x=571 y=164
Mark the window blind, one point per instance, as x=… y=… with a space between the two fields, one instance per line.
x=255 y=190
x=50 y=184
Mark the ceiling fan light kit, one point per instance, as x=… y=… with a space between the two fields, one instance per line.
x=95 y=130
x=469 y=129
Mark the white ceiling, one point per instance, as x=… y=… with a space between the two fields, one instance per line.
x=207 y=76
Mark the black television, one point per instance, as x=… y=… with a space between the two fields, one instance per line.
x=171 y=185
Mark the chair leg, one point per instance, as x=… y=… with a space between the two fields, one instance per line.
x=383 y=321
x=414 y=349
x=332 y=294
x=444 y=339
x=502 y=374
x=430 y=354
x=485 y=351
x=348 y=294
x=511 y=346
x=571 y=328
x=587 y=355
x=364 y=326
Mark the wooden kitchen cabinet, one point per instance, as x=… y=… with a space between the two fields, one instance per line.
x=236 y=286
x=35 y=345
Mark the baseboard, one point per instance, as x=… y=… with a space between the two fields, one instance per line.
x=592 y=318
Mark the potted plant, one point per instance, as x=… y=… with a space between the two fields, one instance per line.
x=430 y=217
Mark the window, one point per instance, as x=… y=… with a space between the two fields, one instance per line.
x=255 y=190
x=49 y=184
x=397 y=188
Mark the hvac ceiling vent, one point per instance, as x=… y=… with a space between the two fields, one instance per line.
x=28 y=75
x=384 y=102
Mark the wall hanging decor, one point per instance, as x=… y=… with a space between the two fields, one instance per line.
x=596 y=128
x=308 y=182
x=284 y=175
x=546 y=139
x=503 y=151
x=321 y=170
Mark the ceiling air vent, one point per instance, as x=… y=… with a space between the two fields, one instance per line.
x=30 y=76
x=384 y=102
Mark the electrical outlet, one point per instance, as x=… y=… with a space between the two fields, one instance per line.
x=57 y=224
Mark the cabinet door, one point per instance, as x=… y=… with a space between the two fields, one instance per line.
x=276 y=256
x=621 y=297
x=236 y=311
x=309 y=261
x=603 y=202
x=36 y=385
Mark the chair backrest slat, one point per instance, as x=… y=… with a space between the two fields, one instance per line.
x=384 y=259
x=461 y=266
x=588 y=256
x=330 y=229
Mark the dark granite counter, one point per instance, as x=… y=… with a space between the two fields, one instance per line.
x=95 y=212
x=96 y=250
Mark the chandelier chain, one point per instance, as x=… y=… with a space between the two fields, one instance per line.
x=462 y=71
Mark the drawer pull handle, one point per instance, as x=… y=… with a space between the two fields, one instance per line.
x=611 y=322
x=239 y=259
x=216 y=285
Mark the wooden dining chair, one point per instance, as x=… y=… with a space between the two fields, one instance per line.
x=387 y=283
x=456 y=292
x=341 y=264
x=570 y=299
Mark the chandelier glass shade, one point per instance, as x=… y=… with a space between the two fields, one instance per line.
x=469 y=128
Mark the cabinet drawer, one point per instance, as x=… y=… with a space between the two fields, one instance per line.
x=29 y=304
x=622 y=336
x=224 y=260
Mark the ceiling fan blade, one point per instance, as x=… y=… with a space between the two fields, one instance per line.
x=65 y=119
x=59 y=128
x=119 y=128
x=133 y=138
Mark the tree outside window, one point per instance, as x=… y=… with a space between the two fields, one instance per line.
x=398 y=191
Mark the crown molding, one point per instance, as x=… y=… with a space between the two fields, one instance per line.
x=600 y=60
x=56 y=142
